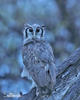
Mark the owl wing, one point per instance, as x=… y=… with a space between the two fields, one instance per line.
x=45 y=54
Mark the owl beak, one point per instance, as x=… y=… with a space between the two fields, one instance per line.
x=34 y=36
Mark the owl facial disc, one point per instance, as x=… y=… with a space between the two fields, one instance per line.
x=34 y=31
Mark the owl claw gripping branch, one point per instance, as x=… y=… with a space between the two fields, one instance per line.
x=41 y=69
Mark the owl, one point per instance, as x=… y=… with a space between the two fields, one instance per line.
x=38 y=58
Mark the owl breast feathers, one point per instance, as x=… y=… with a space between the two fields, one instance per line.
x=38 y=59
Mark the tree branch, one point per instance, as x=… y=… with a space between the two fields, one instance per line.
x=68 y=78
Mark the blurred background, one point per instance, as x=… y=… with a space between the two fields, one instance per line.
x=62 y=18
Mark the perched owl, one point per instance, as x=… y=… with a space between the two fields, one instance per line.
x=38 y=58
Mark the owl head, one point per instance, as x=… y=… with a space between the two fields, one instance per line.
x=34 y=31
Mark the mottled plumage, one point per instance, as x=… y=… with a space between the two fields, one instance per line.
x=38 y=59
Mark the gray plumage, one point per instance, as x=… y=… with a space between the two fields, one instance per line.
x=38 y=59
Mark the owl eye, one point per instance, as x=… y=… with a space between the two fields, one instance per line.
x=37 y=30
x=27 y=30
x=30 y=30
